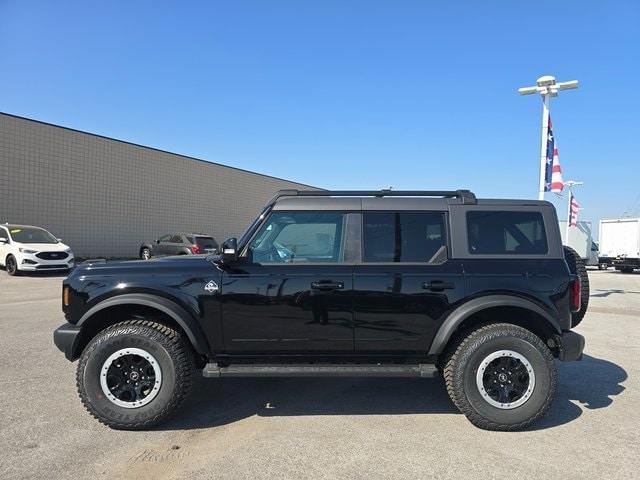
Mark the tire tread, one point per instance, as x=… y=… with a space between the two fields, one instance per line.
x=454 y=375
x=179 y=351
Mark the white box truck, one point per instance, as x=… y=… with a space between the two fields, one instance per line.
x=581 y=240
x=620 y=243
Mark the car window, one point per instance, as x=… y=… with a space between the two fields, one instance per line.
x=206 y=242
x=176 y=239
x=164 y=238
x=508 y=233
x=31 y=235
x=402 y=236
x=299 y=237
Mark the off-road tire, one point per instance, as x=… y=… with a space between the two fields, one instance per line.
x=462 y=364
x=174 y=356
x=11 y=266
x=577 y=267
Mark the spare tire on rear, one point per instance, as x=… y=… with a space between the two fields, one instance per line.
x=577 y=267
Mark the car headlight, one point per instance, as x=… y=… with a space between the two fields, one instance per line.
x=26 y=250
x=68 y=250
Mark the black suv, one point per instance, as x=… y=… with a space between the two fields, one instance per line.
x=384 y=283
x=178 y=244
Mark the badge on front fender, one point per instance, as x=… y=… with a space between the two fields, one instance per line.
x=211 y=287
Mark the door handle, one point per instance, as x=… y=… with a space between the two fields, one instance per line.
x=324 y=285
x=438 y=285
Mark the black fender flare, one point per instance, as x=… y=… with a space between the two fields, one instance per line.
x=476 y=305
x=166 y=306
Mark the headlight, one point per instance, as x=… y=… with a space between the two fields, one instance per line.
x=26 y=250
x=68 y=250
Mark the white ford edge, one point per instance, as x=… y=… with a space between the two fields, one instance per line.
x=26 y=248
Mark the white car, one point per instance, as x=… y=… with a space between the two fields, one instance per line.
x=25 y=248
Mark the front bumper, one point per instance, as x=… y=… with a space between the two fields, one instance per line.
x=66 y=338
x=570 y=346
x=29 y=262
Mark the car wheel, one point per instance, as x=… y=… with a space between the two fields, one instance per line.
x=602 y=266
x=11 y=265
x=577 y=267
x=135 y=374
x=145 y=254
x=502 y=377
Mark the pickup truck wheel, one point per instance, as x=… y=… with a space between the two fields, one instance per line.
x=502 y=377
x=577 y=267
x=135 y=374
x=602 y=266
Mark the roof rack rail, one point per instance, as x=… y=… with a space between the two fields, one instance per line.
x=467 y=196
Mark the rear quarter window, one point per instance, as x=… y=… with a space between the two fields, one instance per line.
x=506 y=233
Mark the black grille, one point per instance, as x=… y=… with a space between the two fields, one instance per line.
x=52 y=255
x=50 y=267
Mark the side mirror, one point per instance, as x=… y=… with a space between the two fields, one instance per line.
x=3 y=240
x=230 y=250
x=59 y=239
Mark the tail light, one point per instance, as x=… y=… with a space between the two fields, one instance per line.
x=195 y=249
x=576 y=301
x=65 y=296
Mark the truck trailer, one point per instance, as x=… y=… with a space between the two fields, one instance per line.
x=620 y=243
x=581 y=240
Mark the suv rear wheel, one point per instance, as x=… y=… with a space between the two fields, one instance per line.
x=502 y=377
x=135 y=374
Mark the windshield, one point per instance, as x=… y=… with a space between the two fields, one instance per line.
x=31 y=235
x=247 y=233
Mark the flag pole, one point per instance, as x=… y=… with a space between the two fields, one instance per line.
x=543 y=145
x=569 y=184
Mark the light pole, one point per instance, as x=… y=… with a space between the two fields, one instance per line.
x=569 y=184
x=547 y=87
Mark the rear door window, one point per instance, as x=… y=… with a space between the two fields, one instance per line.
x=206 y=242
x=506 y=233
x=402 y=236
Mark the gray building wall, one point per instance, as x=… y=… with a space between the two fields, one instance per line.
x=103 y=197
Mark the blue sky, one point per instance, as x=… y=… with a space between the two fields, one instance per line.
x=344 y=94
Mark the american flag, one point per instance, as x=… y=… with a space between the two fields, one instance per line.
x=574 y=208
x=553 y=172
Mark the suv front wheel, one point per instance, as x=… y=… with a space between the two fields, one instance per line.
x=502 y=377
x=135 y=374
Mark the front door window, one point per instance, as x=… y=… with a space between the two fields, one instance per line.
x=300 y=237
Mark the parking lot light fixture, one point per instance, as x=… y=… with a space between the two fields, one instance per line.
x=547 y=87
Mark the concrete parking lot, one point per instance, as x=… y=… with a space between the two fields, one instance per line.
x=319 y=428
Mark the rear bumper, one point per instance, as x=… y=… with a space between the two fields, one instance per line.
x=571 y=346
x=65 y=338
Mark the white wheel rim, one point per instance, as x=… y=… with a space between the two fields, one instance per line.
x=152 y=390
x=486 y=391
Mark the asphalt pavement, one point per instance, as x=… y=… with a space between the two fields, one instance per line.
x=318 y=428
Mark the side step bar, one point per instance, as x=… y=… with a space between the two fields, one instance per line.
x=213 y=370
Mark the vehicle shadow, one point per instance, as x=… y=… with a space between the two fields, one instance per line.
x=41 y=274
x=591 y=383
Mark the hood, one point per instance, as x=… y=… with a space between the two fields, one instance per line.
x=143 y=266
x=43 y=247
